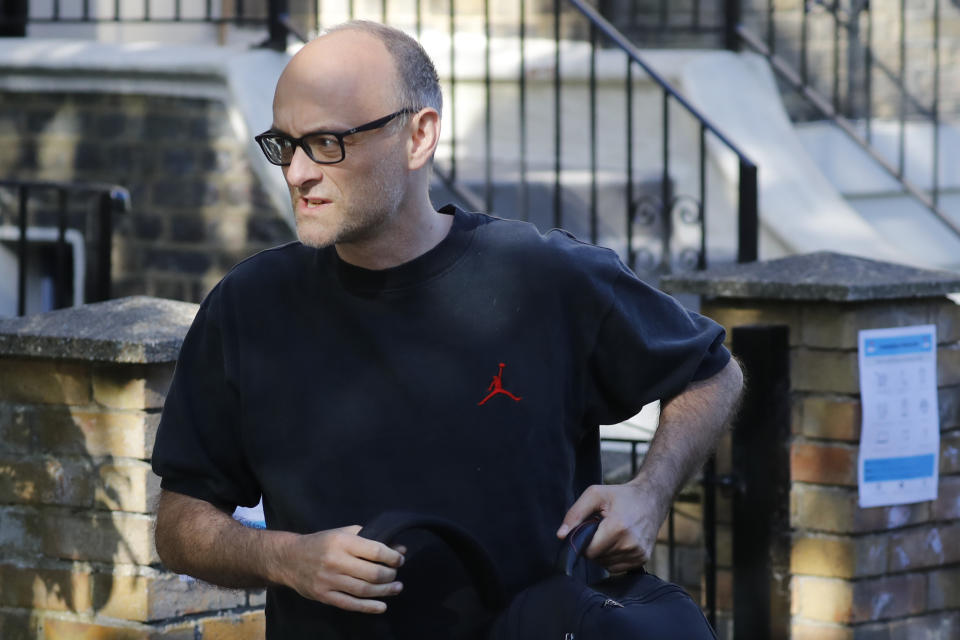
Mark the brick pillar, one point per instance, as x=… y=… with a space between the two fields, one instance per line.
x=878 y=573
x=80 y=395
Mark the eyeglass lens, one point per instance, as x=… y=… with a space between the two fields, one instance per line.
x=322 y=147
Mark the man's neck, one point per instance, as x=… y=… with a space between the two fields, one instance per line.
x=408 y=234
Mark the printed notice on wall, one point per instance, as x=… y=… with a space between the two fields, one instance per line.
x=900 y=435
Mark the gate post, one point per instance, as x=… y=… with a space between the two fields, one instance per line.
x=822 y=567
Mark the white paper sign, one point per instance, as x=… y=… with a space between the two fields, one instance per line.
x=900 y=435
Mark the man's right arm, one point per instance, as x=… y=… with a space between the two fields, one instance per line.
x=336 y=567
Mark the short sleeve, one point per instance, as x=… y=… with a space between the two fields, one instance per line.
x=648 y=347
x=198 y=450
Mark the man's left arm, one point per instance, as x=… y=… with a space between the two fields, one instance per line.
x=690 y=426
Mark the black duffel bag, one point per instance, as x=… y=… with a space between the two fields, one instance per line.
x=636 y=605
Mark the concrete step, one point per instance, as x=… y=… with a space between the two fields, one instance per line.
x=906 y=222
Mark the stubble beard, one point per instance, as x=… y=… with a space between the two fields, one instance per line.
x=364 y=212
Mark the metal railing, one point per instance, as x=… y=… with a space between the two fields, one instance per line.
x=272 y=14
x=58 y=206
x=846 y=103
x=659 y=209
x=661 y=23
x=656 y=210
x=649 y=206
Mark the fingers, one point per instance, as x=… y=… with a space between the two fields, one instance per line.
x=593 y=500
x=618 y=547
x=378 y=552
x=372 y=572
x=363 y=589
x=368 y=571
x=340 y=568
x=617 y=559
x=357 y=595
x=366 y=560
x=349 y=603
x=627 y=531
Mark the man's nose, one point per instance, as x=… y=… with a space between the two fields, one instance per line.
x=302 y=169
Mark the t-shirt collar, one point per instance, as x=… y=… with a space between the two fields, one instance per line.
x=416 y=271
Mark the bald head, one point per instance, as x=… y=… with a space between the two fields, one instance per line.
x=417 y=78
x=360 y=69
x=345 y=77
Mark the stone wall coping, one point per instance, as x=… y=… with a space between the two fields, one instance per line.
x=824 y=276
x=137 y=330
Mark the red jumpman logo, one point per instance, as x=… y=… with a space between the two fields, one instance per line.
x=496 y=386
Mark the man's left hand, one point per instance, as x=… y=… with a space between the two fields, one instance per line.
x=632 y=515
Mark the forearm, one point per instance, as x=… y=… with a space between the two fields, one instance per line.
x=690 y=427
x=196 y=538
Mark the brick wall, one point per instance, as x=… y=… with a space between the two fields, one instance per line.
x=197 y=206
x=77 y=497
x=878 y=573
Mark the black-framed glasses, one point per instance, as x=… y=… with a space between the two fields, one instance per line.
x=323 y=147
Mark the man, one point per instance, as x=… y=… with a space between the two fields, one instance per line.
x=348 y=374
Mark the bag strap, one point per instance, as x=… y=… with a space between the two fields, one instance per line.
x=388 y=525
x=576 y=543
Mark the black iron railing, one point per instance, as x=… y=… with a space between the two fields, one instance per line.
x=651 y=203
x=272 y=14
x=39 y=203
x=541 y=192
x=661 y=23
x=185 y=11
x=854 y=66
x=654 y=210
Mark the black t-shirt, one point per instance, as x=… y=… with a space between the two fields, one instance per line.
x=467 y=383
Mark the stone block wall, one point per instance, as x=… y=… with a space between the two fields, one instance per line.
x=862 y=573
x=879 y=573
x=80 y=395
x=197 y=206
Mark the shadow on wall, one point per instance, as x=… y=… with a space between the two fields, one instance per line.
x=70 y=509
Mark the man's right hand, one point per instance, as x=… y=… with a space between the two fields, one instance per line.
x=336 y=567
x=342 y=569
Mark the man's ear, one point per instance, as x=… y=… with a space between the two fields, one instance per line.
x=424 y=136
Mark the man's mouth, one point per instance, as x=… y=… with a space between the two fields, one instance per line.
x=313 y=203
